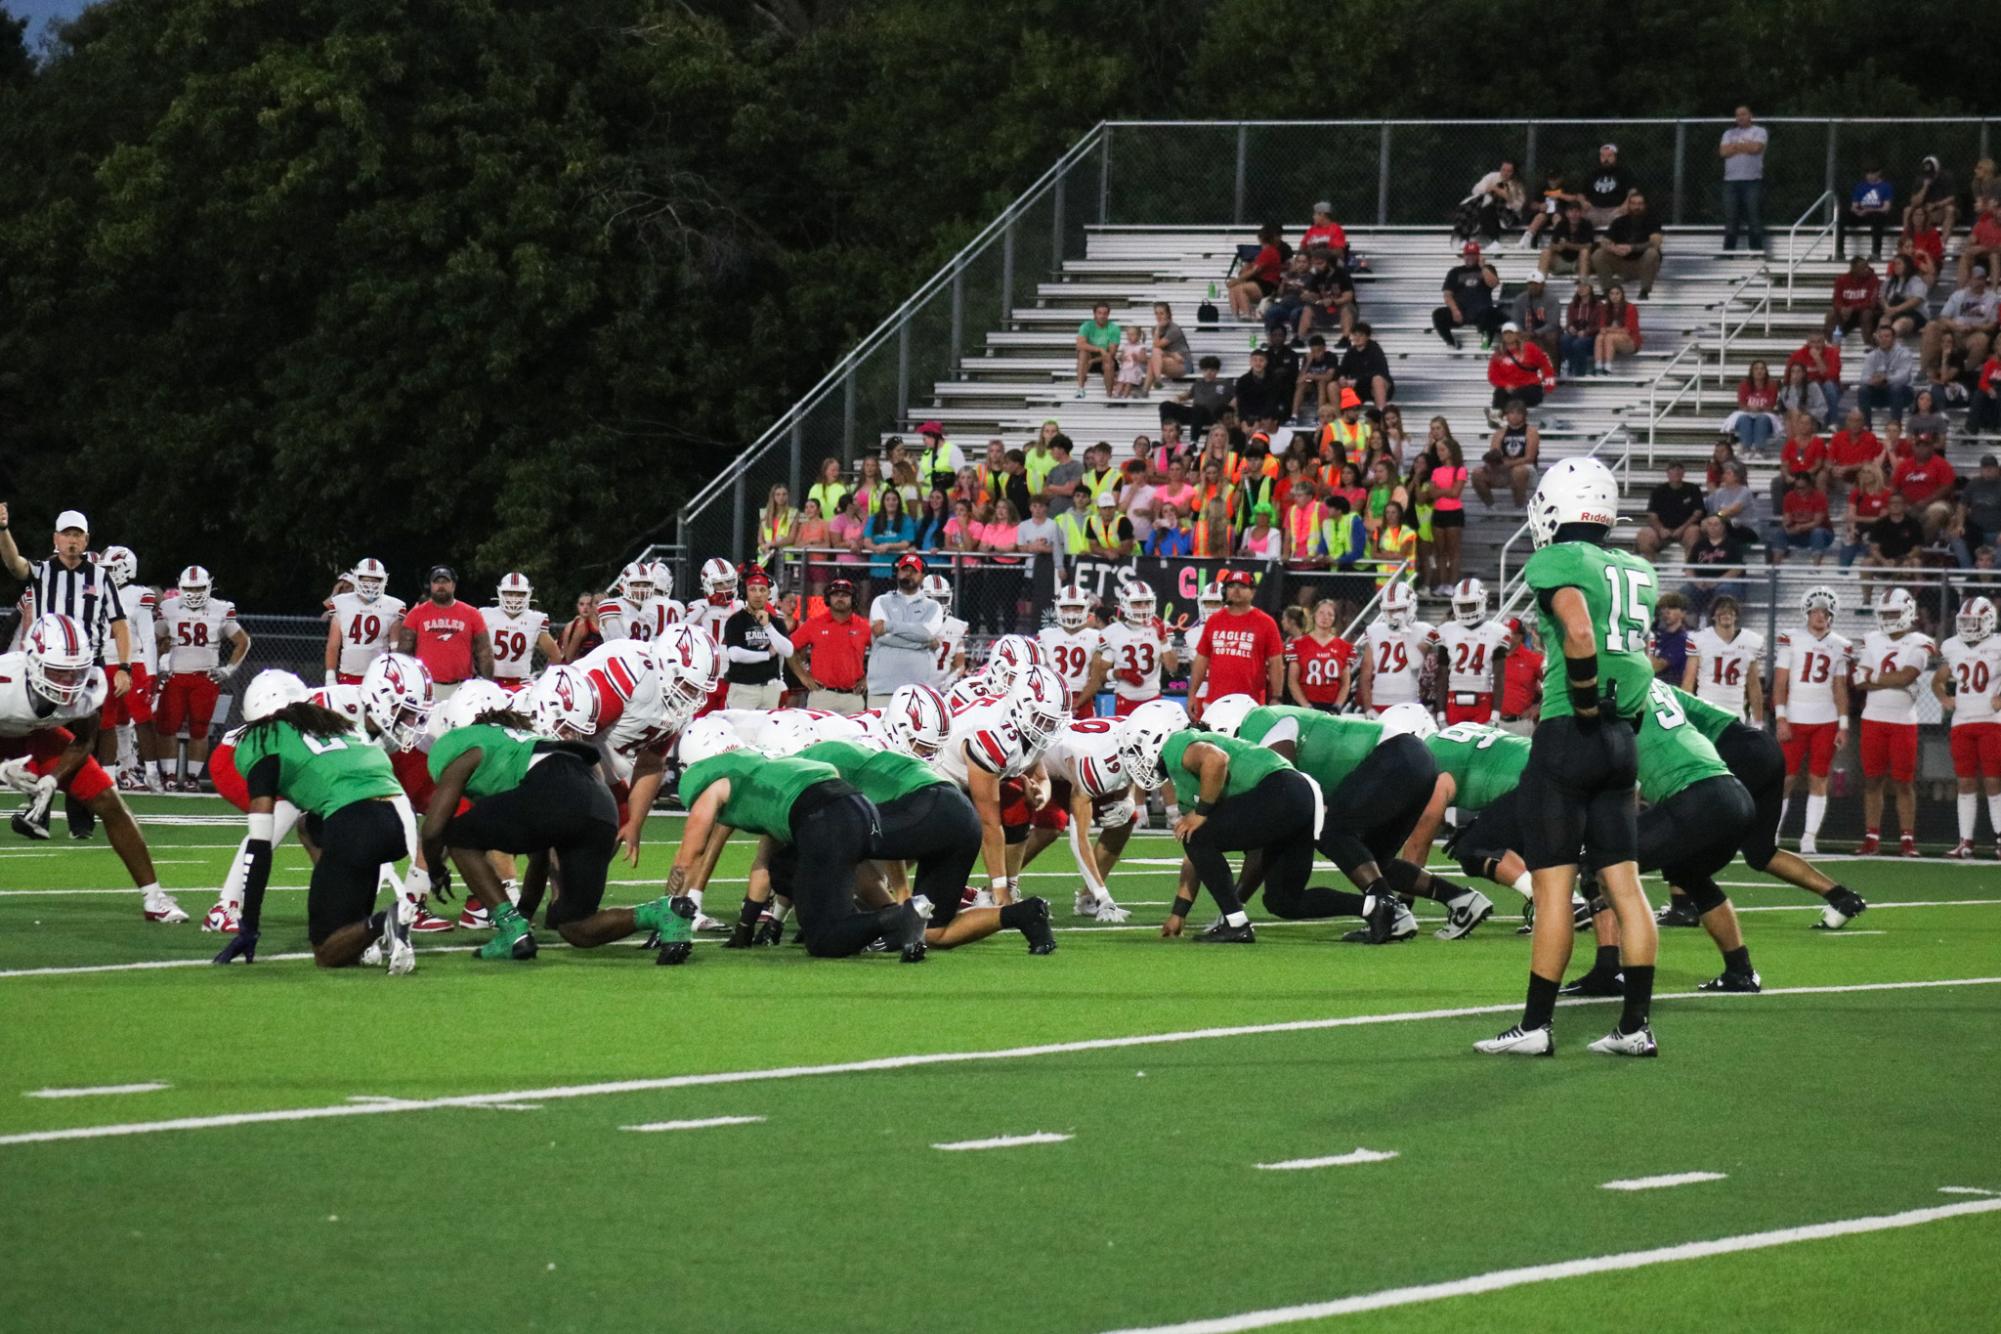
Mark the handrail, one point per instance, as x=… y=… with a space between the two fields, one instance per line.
x=1557 y=120
x=1724 y=332
x=1793 y=255
x=1656 y=410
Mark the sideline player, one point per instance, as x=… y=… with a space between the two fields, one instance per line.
x=950 y=663
x=1887 y=668
x=1726 y=663
x=1074 y=647
x=134 y=709
x=363 y=624
x=1392 y=650
x=1810 y=702
x=624 y=614
x=1134 y=650
x=1968 y=686
x=1320 y=673
x=194 y=627
x=518 y=632
x=1471 y=652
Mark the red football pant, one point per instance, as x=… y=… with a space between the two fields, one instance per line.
x=136 y=706
x=188 y=697
x=1813 y=745
x=1481 y=710
x=44 y=750
x=1890 y=748
x=1976 y=750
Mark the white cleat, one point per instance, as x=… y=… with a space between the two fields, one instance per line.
x=1519 y=1041
x=371 y=957
x=221 y=919
x=1616 y=1043
x=160 y=907
x=1808 y=848
x=1111 y=914
x=704 y=922
x=1468 y=911
x=1962 y=851
x=982 y=899
x=1404 y=925
x=1085 y=904
x=394 y=947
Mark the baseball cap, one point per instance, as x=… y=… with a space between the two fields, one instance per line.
x=1608 y=148
x=1470 y=248
x=932 y=428
x=754 y=574
x=1236 y=577
x=1106 y=500
x=910 y=560
x=1511 y=327
x=441 y=572
x=72 y=519
x=1324 y=206
x=1537 y=277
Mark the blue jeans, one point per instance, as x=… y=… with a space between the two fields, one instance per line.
x=1740 y=206
x=1816 y=540
x=1575 y=350
x=1896 y=397
x=1755 y=430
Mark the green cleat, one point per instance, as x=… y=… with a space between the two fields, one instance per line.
x=672 y=921
x=512 y=938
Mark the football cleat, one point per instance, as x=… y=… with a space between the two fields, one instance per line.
x=1679 y=910
x=474 y=916
x=1809 y=848
x=1962 y=851
x=1085 y=904
x=427 y=921
x=395 y=945
x=1595 y=983
x=1908 y=846
x=981 y=898
x=155 y=784
x=1870 y=846
x=1843 y=906
x=1222 y=933
x=1467 y=911
x=31 y=824
x=1616 y=1043
x=513 y=941
x=1729 y=980
x=372 y=956
x=770 y=931
x=1381 y=915
x=160 y=907
x=914 y=915
x=222 y=918
x=1519 y=1041
x=704 y=922
x=1041 y=939
x=1581 y=912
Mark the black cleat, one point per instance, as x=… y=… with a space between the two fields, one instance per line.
x=770 y=931
x=1844 y=905
x=1595 y=983
x=911 y=919
x=1041 y=939
x=675 y=952
x=1729 y=980
x=27 y=826
x=1382 y=917
x=1222 y=933
x=1678 y=911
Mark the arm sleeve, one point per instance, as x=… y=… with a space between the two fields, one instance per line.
x=776 y=635
x=262 y=779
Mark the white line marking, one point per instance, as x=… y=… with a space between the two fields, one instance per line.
x=1338 y=1160
x=1966 y=1190
x=1844 y=932
x=344 y=1109
x=648 y=1127
x=1499 y=1279
x=101 y=1090
x=1661 y=1182
x=1002 y=1142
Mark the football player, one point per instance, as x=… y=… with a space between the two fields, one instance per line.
x=1724 y=663
x=1478 y=766
x=1892 y=658
x=1471 y=652
x=719 y=603
x=1968 y=686
x=1090 y=792
x=1134 y=650
x=1073 y=647
x=363 y=625
x=951 y=660
x=1393 y=650
x=1810 y=702
x=193 y=628
x=132 y=713
x=518 y=633
x=997 y=739
x=623 y=614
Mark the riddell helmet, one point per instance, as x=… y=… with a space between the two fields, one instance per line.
x=1820 y=598
x=60 y=659
x=1010 y=656
x=1976 y=620
x=514 y=592
x=1073 y=607
x=707 y=738
x=1227 y=714
x=718 y=579
x=1409 y=718
x=398 y=692
x=1573 y=491
x=1136 y=605
x=269 y=691
x=938 y=589
x=918 y=720
x=1147 y=730
x=470 y=700
x=1399 y=605
x=790 y=732
x=1210 y=600
x=194 y=586
x=564 y=704
x=663 y=579
x=370 y=578
x=689 y=666
x=636 y=581
x=122 y=563
x=1897 y=612
x=1469 y=601
x=1038 y=704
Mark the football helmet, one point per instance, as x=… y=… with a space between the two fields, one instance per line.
x=1073 y=607
x=564 y=703
x=398 y=693
x=1897 y=612
x=1010 y=656
x=1147 y=729
x=1581 y=490
x=1820 y=598
x=1975 y=620
x=690 y=666
x=194 y=586
x=663 y=578
x=1399 y=605
x=345 y=701
x=1038 y=704
x=370 y=578
x=123 y=564
x=514 y=592
x=718 y=580
x=918 y=720
x=1136 y=605
x=939 y=589
x=636 y=581
x=707 y=738
x=60 y=659
x=269 y=691
x=1409 y=718
x=470 y=700
x=1469 y=601
x=1227 y=713
x=790 y=732
x=1210 y=600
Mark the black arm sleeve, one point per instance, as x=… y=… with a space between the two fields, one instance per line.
x=263 y=778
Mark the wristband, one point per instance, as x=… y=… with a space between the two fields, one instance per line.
x=1182 y=907
x=1203 y=808
x=1779 y=712
x=997 y=883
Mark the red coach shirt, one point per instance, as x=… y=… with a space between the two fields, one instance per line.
x=1238 y=645
x=1522 y=683
x=840 y=649
x=444 y=638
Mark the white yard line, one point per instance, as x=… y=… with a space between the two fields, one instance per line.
x=1337 y=1160
x=1966 y=1190
x=1499 y=1279
x=99 y=1091
x=1002 y=1142
x=649 y=1127
x=1662 y=1182
x=724 y=1077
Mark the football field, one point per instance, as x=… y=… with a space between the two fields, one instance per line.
x=1129 y=1133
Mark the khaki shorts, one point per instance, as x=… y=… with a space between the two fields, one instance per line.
x=755 y=697
x=834 y=701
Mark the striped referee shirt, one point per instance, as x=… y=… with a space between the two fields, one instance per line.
x=85 y=593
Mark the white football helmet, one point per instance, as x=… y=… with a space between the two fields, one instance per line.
x=1581 y=490
x=194 y=586
x=1038 y=705
x=663 y=578
x=1975 y=620
x=690 y=666
x=345 y=701
x=123 y=564
x=707 y=738
x=918 y=720
x=636 y=581
x=1136 y=605
x=1210 y=600
x=1073 y=607
x=514 y=592
x=398 y=692
x=472 y=699
x=1409 y=718
x=718 y=579
x=60 y=659
x=1820 y=598
x=370 y=577
x=1147 y=729
x=1010 y=656
x=1399 y=605
x=790 y=732
x=938 y=589
x=563 y=703
x=1227 y=714
x=271 y=690
x=1469 y=601
x=1897 y=612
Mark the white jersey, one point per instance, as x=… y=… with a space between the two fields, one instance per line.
x=633 y=714
x=951 y=639
x=1397 y=657
x=750 y=726
x=622 y=618
x=142 y=606
x=1813 y=666
x=367 y=629
x=873 y=728
x=1070 y=654
x=514 y=639
x=195 y=637
x=984 y=736
x=21 y=709
x=1724 y=666
x=711 y=616
x=970 y=691
x=823 y=725
x=1469 y=655
x=1085 y=754
x=1975 y=672
x=1881 y=655
x=1134 y=658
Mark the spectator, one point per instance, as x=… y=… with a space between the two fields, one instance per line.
x=1258 y=276
x=888 y=533
x=1735 y=504
x=1384 y=488
x=1886 y=379
x=1857 y=294
x=1721 y=456
x=1137 y=496
x=1927 y=419
x=1896 y=539
x=1925 y=481
x=1571 y=241
x=1097 y=347
x=1799 y=393
x=1984 y=412
x=1533 y=309
x=1326 y=234
x=962 y=530
x=1926 y=248
x=1983 y=242
x=1631 y=246
x=1667 y=646
x=1743 y=154
x=937 y=462
x=1343 y=533
x=1853 y=448
x=1064 y=477
x=1330 y=297
x=1040 y=536
x=1519 y=372
x=830 y=653
x=1134 y=356
x=1211 y=535
x=1606 y=187
x=1171 y=354
x=1447 y=480
x=1756 y=419
x=831 y=490
x=755 y=646
x=810 y=532
x=1495 y=206
x=446 y=635
x=1257 y=397
x=928 y=524
x=1320 y=376
x=1556 y=193
x=1904 y=302
x=1823 y=367
x=1674 y=514
x=1395 y=543
x=1469 y=300
x=1177 y=490
x=581 y=634
x=1261 y=541
x=1803 y=521
x=1109 y=533
x=1281 y=313
x=1934 y=201
x=1716 y=565
x=1620 y=336
x=1970 y=315
x=870 y=485
x=1168 y=537
x=1867 y=502
x=1366 y=370
x=1000 y=539
x=903 y=476
x=1871 y=204
x=1513 y=451
x=778 y=525
x=845 y=530
x=1582 y=319
x=1391 y=437
x=1805 y=454
x=1982 y=497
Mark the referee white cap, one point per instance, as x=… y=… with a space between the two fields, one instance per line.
x=72 y=519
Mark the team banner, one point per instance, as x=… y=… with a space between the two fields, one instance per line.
x=1177 y=582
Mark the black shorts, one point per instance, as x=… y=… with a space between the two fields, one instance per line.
x=1371 y=813
x=1696 y=832
x=1448 y=518
x=936 y=827
x=1579 y=804
x=1754 y=759
x=354 y=843
x=1494 y=833
x=559 y=807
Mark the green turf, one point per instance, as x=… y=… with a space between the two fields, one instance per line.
x=836 y=1213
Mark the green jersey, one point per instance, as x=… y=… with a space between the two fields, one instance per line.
x=762 y=789
x=318 y=774
x=1619 y=591
x=504 y=754
x=1329 y=747
x=1485 y=762
x=1673 y=752
x=1703 y=716
x=1249 y=765
x=880 y=775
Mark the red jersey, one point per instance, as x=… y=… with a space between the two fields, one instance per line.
x=444 y=638
x=1823 y=371
x=1238 y=645
x=1322 y=667
x=1850 y=291
x=1522 y=683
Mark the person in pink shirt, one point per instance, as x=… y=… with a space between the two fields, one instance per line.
x=448 y=636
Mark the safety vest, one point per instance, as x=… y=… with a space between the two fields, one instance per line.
x=831 y=495
x=1396 y=544
x=1348 y=440
x=939 y=458
x=775 y=533
x=1203 y=495
x=1302 y=526
x=1104 y=534
x=1338 y=534
x=993 y=485
x=1098 y=485
x=1038 y=463
x=1075 y=542
x=1211 y=539
x=1258 y=490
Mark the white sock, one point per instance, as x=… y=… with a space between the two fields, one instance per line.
x=1969 y=815
x=1816 y=811
x=1525 y=885
x=1785 y=805
x=1994 y=816
x=696 y=895
x=152 y=768
x=231 y=896
x=128 y=747
x=1236 y=918
x=150 y=890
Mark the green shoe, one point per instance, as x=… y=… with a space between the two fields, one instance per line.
x=672 y=921
x=511 y=940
